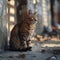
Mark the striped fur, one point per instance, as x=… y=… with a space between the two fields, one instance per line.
x=22 y=32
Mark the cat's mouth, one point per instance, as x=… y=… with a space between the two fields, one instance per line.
x=33 y=19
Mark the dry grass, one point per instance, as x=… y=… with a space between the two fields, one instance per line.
x=45 y=38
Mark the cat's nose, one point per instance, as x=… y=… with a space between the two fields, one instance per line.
x=32 y=18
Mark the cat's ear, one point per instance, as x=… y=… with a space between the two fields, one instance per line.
x=35 y=16
x=29 y=13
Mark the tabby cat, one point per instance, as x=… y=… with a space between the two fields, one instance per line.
x=22 y=32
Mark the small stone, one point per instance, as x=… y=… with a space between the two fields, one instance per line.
x=21 y=56
x=33 y=56
x=52 y=58
x=10 y=56
x=43 y=51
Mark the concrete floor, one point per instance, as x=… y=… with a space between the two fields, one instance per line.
x=24 y=56
x=35 y=54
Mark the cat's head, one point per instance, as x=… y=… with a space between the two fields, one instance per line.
x=28 y=15
x=32 y=16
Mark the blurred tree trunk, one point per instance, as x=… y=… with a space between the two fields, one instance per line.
x=3 y=21
x=21 y=4
x=52 y=11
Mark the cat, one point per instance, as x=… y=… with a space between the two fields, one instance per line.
x=22 y=32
